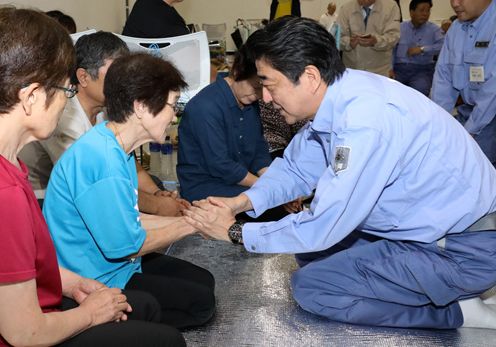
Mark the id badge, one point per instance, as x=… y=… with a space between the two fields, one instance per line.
x=477 y=74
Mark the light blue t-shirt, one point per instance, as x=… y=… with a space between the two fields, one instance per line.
x=383 y=159
x=91 y=207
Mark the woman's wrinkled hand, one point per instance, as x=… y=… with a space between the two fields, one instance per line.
x=212 y=217
x=106 y=305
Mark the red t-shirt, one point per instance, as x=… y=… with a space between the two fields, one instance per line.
x=26 y=248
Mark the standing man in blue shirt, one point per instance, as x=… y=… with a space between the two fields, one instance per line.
x=420 y=41
x=396 y=234
x=467 y=68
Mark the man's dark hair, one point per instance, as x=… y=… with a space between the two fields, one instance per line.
x=34 y=48
x=65 y=20
x=415 y=3
x=93 y=49
x=289 y=44
x=68 y=22
x=139 y=77
x=55 y=14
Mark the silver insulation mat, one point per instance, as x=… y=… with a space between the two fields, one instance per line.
x=255 y=307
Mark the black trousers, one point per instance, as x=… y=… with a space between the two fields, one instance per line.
x=143 y=327
x=184 y=291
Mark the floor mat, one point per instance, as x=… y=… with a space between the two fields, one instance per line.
x=255 y=307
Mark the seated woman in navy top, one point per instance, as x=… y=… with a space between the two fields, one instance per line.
x=222 y=151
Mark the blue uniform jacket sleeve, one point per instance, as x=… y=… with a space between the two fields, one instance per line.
x=443 y=92
x=287 y=179
x=342 y=201
x=210 y=131
x=110 y=217
x=437 y=45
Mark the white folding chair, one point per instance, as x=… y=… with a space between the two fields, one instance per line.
x=77 y=35
x=189 y=53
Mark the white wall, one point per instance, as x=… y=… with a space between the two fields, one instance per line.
x=110 y=14
x=220 y=11
x=107 y=15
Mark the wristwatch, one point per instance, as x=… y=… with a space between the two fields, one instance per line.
x=235 y=232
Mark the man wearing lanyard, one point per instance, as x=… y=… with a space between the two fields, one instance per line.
x=401 y=231
x=467 y=68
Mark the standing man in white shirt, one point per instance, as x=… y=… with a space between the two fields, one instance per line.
x=330 y=17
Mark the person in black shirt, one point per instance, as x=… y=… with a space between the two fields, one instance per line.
x=155 y=19
x=295 y=8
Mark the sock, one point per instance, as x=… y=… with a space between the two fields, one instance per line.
x=477 y=314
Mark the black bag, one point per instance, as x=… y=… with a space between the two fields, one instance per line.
x=236 y=37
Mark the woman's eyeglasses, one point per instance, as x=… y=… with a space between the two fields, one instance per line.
x=69 y=92
x=174 y=107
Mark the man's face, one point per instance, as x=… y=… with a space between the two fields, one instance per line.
x=291 y=100
x=94 y=87
x=421 y=14
x=366 y=3
x=331 y=8
x=469 y=9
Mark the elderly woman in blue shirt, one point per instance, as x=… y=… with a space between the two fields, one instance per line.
x=420 y=41
x=222 y=151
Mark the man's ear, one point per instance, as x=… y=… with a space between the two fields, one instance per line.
x=30 y=95
x=83 y=76
x=313 y=77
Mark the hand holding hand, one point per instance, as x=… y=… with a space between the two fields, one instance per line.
x=183 y=204
x=169 y=206
x=106 y=305
x=212 y=217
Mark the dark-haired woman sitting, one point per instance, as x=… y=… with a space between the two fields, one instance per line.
x=222 y=150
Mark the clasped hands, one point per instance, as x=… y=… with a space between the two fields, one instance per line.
x=170 y=204
x=212 y=217
x=103 y=304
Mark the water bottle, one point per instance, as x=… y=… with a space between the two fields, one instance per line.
x=168 y=170
x=155 y=166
